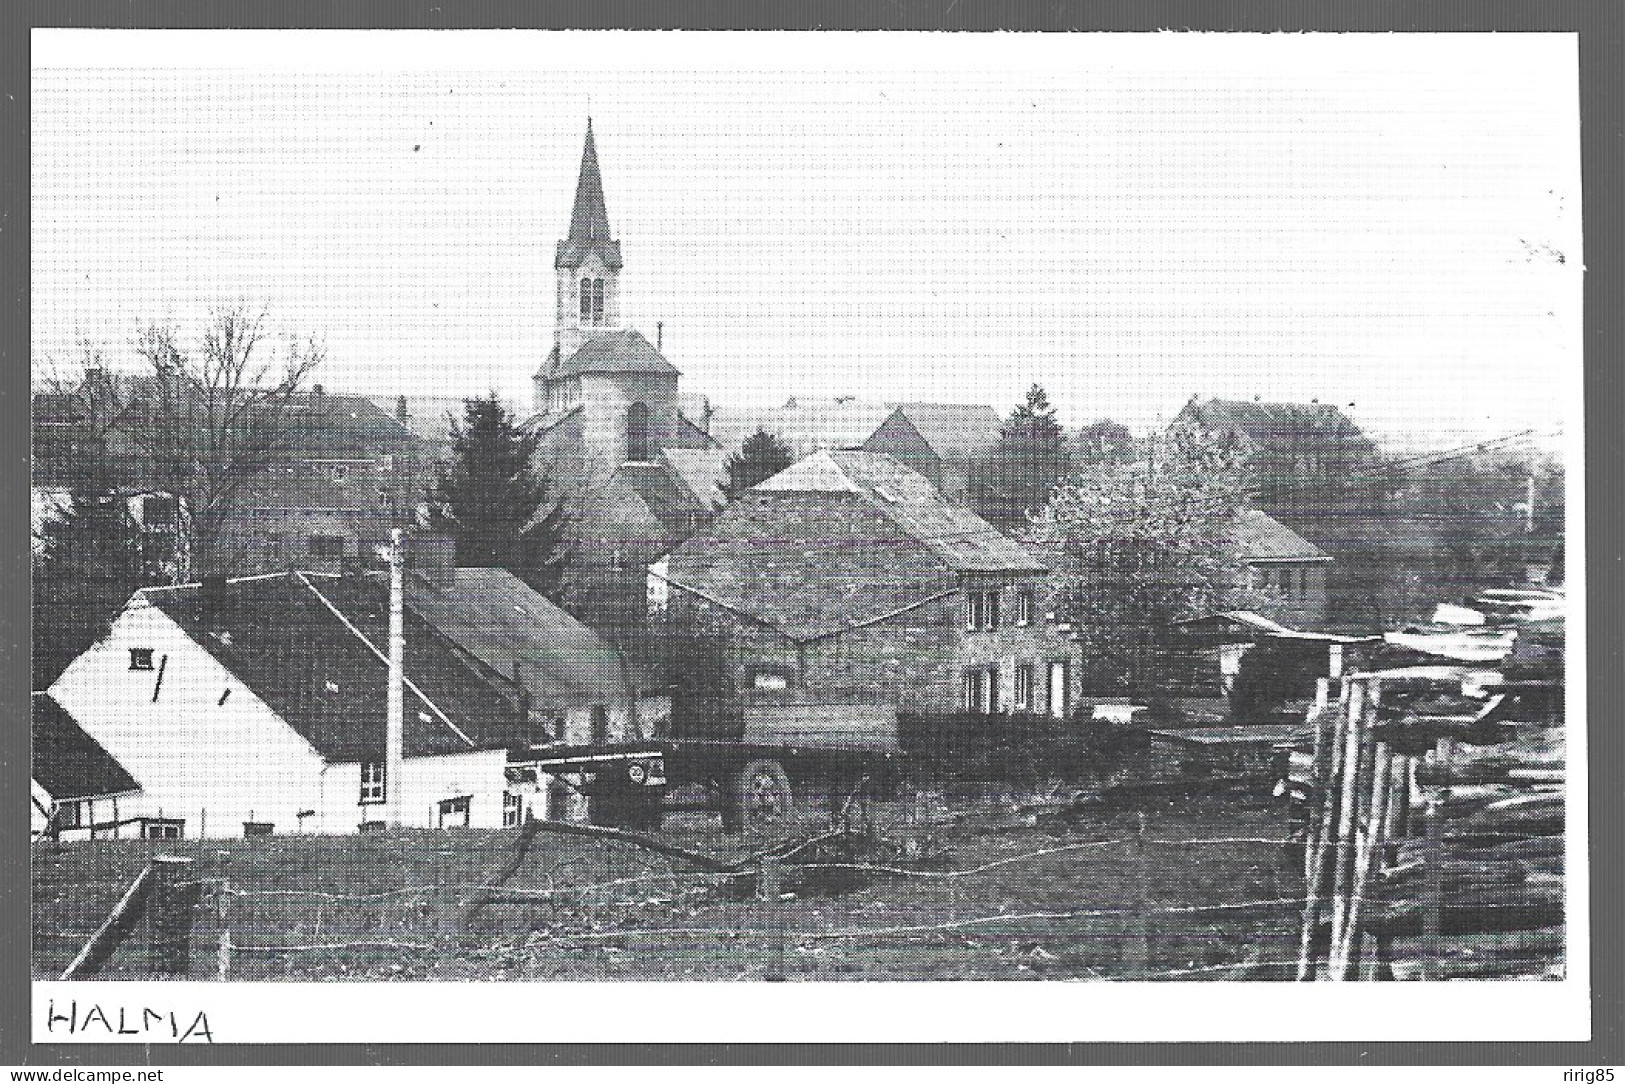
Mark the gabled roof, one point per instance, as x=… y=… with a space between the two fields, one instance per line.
x=68 y=762
x=808 y=563
x=1272 y=423
x=1262 y=537
x=961 y=540
x=313 y=648
x=589 y=219
x=805 y=425
x=499 y=620
x=957 y=432
x=625 y=351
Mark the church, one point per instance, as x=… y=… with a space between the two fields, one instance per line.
x=636 y=475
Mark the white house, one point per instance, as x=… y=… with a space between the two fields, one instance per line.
x=257 y=705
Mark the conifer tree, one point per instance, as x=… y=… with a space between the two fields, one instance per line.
x=497 y=507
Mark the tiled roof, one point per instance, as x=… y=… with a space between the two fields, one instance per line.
x=499 y=620
x=625 y=351
x=804 y=425
x=284 y=638
x=955 y=431
x=67 y=762
x=962 y=540
x=1261 y=537
x=808 y=563
x=428 y=417
x=1268 y=423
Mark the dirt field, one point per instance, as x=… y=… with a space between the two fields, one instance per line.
x=991 y=896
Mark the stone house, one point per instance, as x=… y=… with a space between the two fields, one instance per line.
x=848 y=578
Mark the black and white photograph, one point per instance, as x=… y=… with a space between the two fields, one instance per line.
x=1041 y=514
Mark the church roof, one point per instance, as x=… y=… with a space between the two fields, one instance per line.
x=617 y=352
x=589 y=219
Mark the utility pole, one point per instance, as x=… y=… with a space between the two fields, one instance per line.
x=394 y=729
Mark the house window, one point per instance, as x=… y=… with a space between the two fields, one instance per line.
x=158 y=828
x=327 y=546
x=141 y=658
x=372 y=782
x=637 y=433
x=454 y=811
x=770 y=680
x=1024 y=607
x=597 y=301
x=981 y=611
x=513 y=809
x=973 y=691
x=586 y=300
x=71 y=814
x=981 y=688
x=1024 y=686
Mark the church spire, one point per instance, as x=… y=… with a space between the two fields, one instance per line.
x=589 y=219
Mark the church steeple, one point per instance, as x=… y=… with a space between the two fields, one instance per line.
x=589 y=219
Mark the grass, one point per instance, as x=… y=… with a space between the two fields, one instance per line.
x=386 y=905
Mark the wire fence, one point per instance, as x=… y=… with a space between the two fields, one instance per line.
x=1123 y=904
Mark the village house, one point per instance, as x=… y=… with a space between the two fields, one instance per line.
x=341 y=475
x=258 y=705
x=1310 y=466
x=1285 y=564
x=848 y=578
x=943 y=441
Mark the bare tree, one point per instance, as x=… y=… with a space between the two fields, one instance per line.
x=212 y=422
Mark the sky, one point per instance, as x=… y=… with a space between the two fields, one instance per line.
x=1387 y=222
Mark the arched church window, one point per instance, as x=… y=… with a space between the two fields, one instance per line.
x=637 y=433
x=586 y=300
x=597 y=301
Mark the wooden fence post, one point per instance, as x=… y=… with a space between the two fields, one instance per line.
x=770 y=889
x=169 y=915
x=1342 y=888
x=1139 y=944
x=222 y=910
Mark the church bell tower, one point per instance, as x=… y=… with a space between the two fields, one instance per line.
x=587 y=264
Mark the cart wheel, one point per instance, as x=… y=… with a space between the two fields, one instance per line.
x=762 y=794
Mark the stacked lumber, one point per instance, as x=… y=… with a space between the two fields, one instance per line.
x=1432 y=802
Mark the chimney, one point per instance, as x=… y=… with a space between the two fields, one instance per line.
x=395 y=707
x=400 y=408
x=660 y=334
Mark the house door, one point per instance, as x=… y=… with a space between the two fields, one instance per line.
x=1057 y=689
